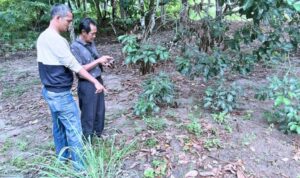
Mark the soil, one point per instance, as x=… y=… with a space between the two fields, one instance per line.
x=253 y=148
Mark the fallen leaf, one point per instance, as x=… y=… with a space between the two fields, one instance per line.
x=190 y=174
x=207 y=173
x=240 y=174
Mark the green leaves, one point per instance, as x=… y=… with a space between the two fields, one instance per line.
x=142 y=54
x=158 y=91
x=221 y=98
x=285 y=92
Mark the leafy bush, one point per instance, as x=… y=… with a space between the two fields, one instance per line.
x=195 y=63
x=285 y=92
x=158 y=91
x=144 y=55
x=18 y=20
x=221 y=97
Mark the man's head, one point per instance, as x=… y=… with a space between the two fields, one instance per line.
x=88 y=30
x=61 y=17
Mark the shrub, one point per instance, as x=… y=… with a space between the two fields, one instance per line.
x=144 y=55
x=221 y=97
x=285 y=92
x=157 y=91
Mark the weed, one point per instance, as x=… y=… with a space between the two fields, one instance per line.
x=212 y=143
x=7 y=145
x=151 y=142
x=155 y=123
x=149 y=173
x=228 y=128
x=102 y=159
x=248 y=138
x=194 y=128
x=221 y=117
x=160 y=167
x=248 y=115
x=22 y=145
x=19 y=162
x=2 y=72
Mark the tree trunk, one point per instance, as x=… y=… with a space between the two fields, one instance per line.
x=98 y=11
x=184 y=13
x=114 y=7
x=84 y=7
x=142 y=21
x=78 y=3
x=122 y=10
x=163 y=14
x=218 y=10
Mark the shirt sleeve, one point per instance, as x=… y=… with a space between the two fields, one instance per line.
x=76 y=52
x=62 y=50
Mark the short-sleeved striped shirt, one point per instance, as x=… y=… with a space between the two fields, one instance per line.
x=86 y=53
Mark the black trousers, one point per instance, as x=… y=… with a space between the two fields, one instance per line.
x=92 y=108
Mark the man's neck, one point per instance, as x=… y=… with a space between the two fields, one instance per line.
x=83 y=40
x=53 y=27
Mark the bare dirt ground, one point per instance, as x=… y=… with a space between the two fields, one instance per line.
x=252 y=149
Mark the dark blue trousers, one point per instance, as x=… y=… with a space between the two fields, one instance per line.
x=92 y=108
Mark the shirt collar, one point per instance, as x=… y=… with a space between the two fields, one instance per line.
x=78 y=39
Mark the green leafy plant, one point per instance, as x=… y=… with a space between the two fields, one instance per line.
x=149 y=173
x=212 y=143
x=151 y=142
x=221 y=117
x=158 y=169
x=194 y=63
x=221 y=97
x=285 y=92
x=144 y=55
x=155 y=123
x=194 y=127
x=158 y=91
x=7 y=145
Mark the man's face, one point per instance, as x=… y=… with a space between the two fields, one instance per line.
x=89 y=37
x=64 y=22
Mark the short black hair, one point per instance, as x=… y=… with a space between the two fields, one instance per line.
x=85 y=24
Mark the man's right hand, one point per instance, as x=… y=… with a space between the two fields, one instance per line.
x=104 y=60
x=99 y=88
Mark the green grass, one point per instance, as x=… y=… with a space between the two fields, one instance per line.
x=151 y=142
x=19 y=162
x=2 y=72
x=102 y=159
x=212 y=143
x=19 y=88
x=6 y=146
x=155 y=123
x=22 y=145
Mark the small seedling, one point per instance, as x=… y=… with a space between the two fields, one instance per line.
x=212 y=143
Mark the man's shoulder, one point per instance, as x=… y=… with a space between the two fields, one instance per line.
x=75 y=44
